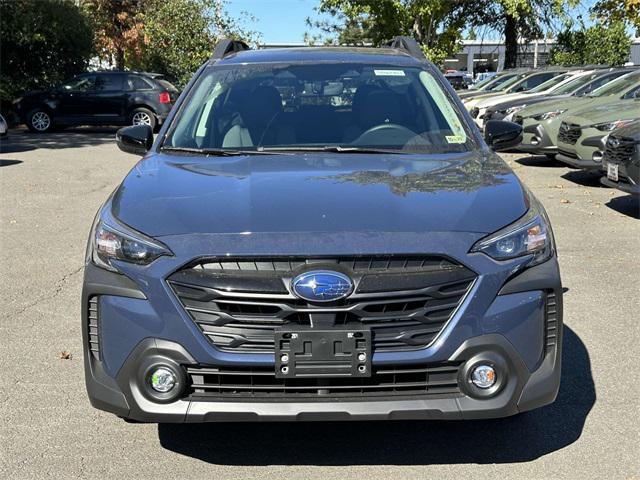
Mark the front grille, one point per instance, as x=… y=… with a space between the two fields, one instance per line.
x=551 y=322
x=94 y=326
x=238 y=304
x=209 y=383
x=619 y=149
x=569 y=133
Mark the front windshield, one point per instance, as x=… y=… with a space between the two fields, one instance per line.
x=511 y=82
x=619 y=85
x=550 y=83
x=500 y=80
x=264 y=107
x=573 y=85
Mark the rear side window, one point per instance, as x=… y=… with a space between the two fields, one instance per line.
x=85 y=83
x=136 y=82
x=108 y=82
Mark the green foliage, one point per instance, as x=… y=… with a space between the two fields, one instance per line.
x=519 y=19
x=180 y=36
x=600 y=44
x=619 y=10
x=43 y=43
x=436 y=25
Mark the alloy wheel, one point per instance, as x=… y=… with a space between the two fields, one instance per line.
x=141 y=118
x=41 y=121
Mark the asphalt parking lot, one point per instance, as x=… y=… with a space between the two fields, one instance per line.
x=50 y=187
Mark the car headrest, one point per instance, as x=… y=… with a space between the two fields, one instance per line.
x=262 y=104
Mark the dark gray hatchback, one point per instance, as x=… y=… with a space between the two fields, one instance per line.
x=320 y=234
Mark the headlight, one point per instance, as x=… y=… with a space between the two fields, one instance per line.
x=512 y=110
x=549 y=115
x=608 y=126
x=530 y=235
x=111 y=240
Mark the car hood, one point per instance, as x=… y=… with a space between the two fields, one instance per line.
x=488 y=102
x=622 y=110
x=174 y=195
x=568 y=103
x=525 y=101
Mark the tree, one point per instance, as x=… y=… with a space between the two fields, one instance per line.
x=179 y=36
x=601 y=44
x=436 y=25
x=619 y=10
x=43 y=43
x=518 y=19
x=117 y=28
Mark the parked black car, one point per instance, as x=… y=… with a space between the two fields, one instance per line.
x=99 y=98
x=621 y=161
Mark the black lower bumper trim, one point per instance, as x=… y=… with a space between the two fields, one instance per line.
x=520 y=391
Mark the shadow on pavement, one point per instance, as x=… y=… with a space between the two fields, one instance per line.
x=626 y=205
x=585 y=178
x=22 y=141
x=539 y=161
x=517 y=439
x=7 y=162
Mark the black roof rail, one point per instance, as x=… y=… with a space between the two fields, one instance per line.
x=408 y=44
x=226 y=46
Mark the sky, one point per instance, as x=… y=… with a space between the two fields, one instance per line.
x=283 y=21
x=279 y=21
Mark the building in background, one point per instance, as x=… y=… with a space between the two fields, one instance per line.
x=479 y=56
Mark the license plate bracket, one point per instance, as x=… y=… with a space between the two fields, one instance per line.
x=322 y=353
x=612 y=171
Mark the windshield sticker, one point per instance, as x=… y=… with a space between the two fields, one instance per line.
x=389 y=73
x=455 y=138
x=444 y=104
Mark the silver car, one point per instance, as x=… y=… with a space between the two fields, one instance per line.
x=4 y=128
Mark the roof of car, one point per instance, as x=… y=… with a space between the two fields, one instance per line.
x=391 y=56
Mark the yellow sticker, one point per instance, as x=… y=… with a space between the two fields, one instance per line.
x=455 y=138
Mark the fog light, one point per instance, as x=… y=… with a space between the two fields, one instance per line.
x=483 y=376
x=597 y=156
x=162 y=380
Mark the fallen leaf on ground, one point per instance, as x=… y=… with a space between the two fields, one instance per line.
x=65 y=355
x=564 y=200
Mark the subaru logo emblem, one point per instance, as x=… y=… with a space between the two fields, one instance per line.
x=321 y=286
x=614 y=142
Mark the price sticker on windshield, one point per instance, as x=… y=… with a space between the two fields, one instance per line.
x=389 y=73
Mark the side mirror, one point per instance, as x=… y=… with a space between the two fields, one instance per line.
x=501 y=135
x=136 y=139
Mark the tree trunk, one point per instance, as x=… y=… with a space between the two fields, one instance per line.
x=510 y=42
x=119 y=57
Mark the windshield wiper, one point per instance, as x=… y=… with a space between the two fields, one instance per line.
x=332 y=148
x=219 y=152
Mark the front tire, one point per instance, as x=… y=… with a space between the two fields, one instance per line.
x=39 y=120
x=143 y=116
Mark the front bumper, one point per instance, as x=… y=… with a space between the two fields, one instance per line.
x=537 y=140
x=586 y=153
x=509 y=330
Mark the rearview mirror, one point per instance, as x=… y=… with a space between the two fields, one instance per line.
x=136 y=139
x=501 y=135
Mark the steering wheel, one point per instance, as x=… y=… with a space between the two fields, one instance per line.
x=385 y=134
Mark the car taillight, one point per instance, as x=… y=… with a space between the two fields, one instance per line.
x=165 y=97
